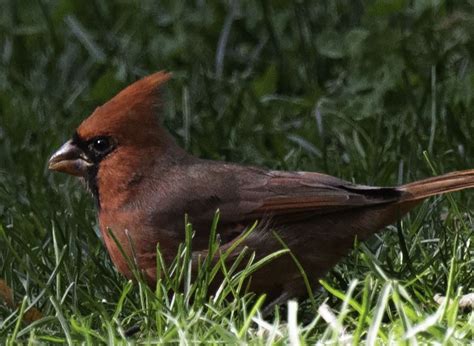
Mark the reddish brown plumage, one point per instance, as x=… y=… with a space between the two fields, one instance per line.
x=132 y=111
x=144 y=185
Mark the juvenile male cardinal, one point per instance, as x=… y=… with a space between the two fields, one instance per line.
x=144 y=184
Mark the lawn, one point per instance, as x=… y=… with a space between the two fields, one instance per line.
x=375 y=92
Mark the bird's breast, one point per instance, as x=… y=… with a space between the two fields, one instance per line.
x=131 y=238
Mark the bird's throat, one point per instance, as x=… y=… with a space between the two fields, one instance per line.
x=90 y=182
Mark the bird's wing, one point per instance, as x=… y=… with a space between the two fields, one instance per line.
x=244 y=193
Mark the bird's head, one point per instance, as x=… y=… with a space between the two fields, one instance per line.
x=117 y=135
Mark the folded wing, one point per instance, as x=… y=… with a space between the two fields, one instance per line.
x=290 y=193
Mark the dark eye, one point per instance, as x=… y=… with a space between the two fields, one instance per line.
x=100 y=145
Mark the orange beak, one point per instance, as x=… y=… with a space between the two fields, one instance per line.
x=70 y=159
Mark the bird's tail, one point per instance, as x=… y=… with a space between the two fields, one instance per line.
x=450 y=182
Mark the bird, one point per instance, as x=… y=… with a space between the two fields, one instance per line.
x=144 y=184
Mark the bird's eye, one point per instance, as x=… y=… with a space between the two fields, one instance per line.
x=100 y=145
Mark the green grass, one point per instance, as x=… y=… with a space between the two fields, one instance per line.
x=379 y=92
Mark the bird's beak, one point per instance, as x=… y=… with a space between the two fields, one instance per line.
x=70 y=159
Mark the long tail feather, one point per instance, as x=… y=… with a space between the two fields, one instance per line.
x=450 y=182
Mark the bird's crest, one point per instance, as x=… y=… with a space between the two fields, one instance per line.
x=134 y=110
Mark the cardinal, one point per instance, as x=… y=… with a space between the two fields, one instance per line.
x=144 y=184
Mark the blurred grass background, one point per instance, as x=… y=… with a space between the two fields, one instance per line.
x=357 y=89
